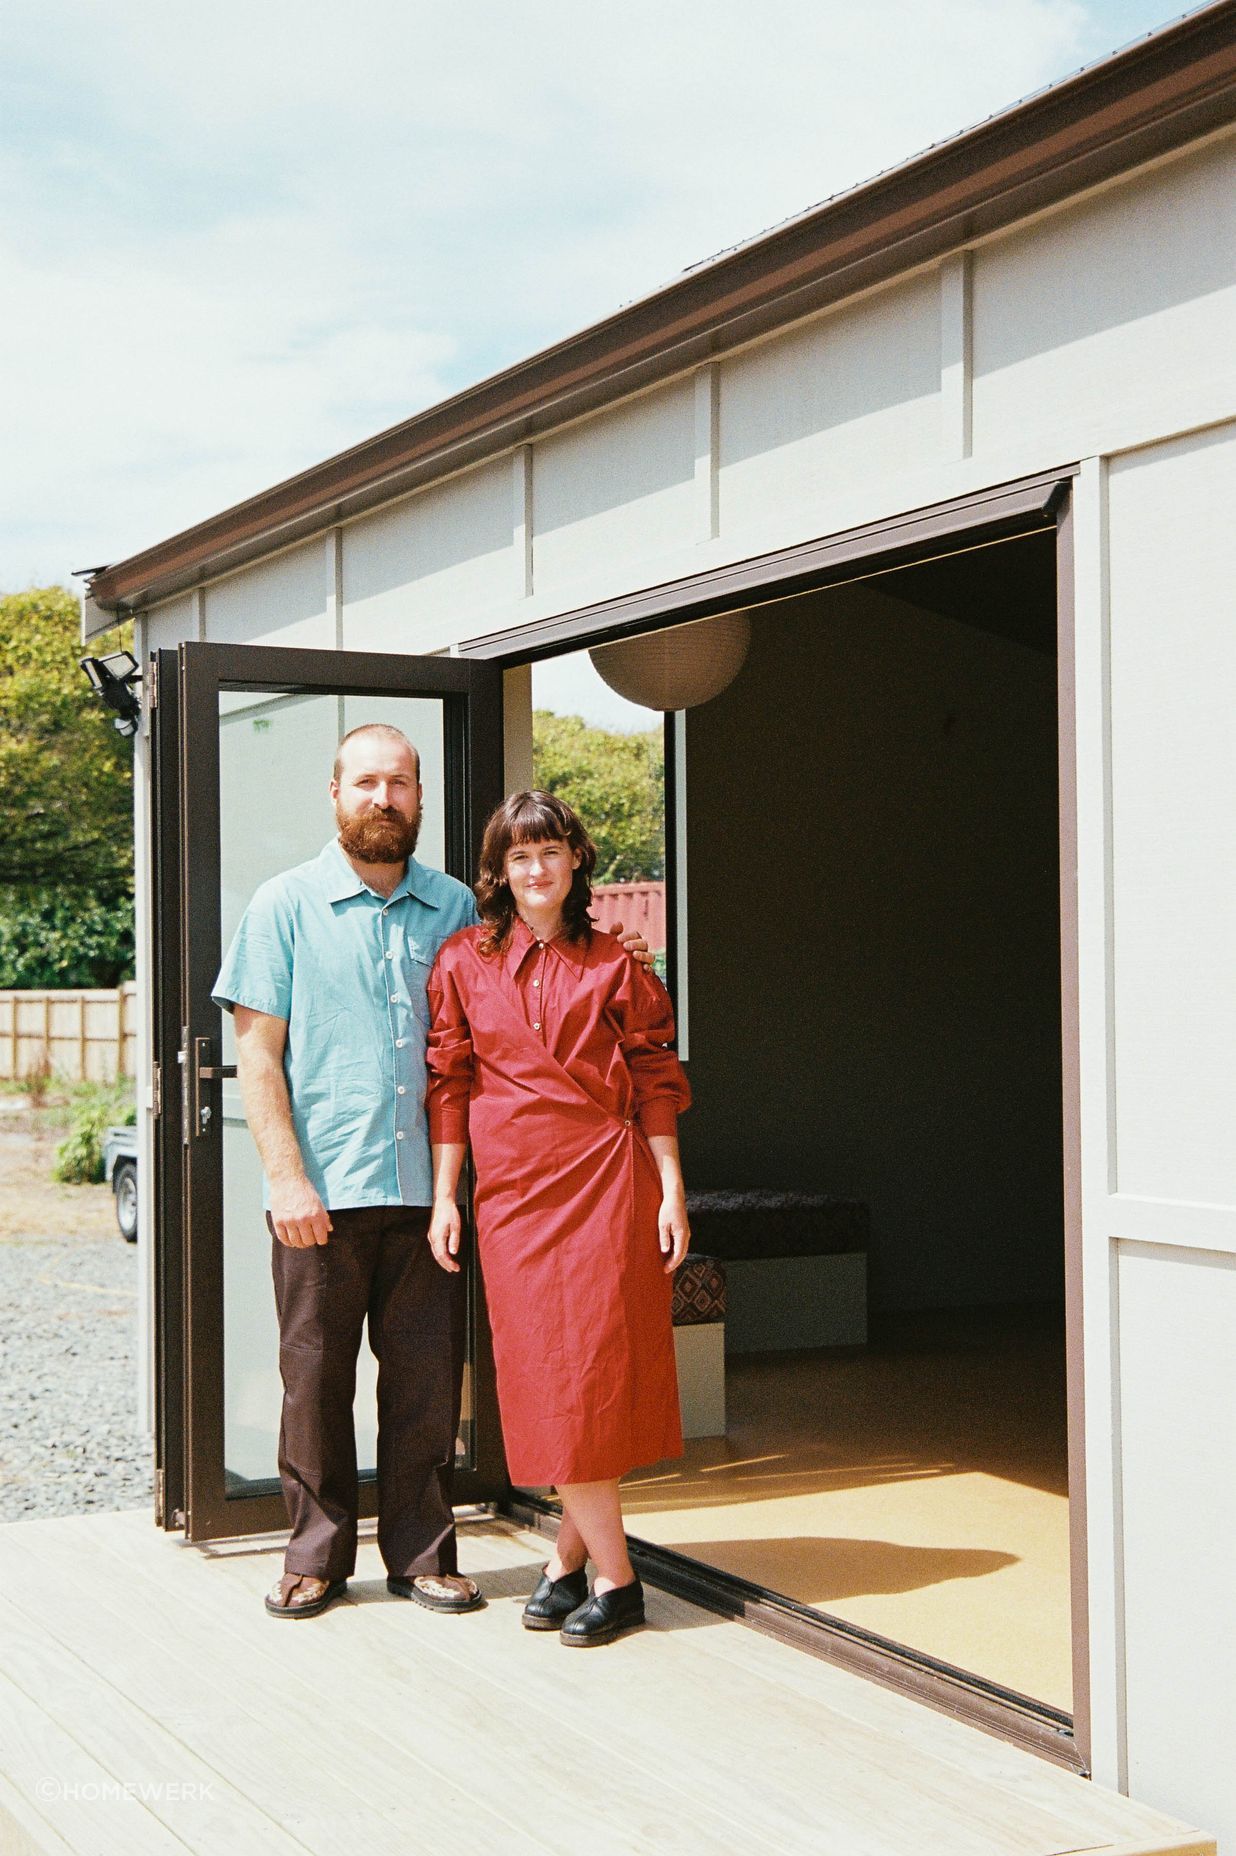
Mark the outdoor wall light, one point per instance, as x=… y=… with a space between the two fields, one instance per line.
x=112 y=679
x=680 y=667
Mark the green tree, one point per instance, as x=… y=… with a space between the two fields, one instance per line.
x=66 y=806
x=617 y=785
x=56 y=939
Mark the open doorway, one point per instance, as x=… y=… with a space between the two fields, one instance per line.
x=874 y=964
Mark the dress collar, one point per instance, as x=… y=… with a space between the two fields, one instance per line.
x=574 y=953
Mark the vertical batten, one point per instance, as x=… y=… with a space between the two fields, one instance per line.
x=521 y=485
x=334 y=609
x=1094 y=1021
x=334 y=585
x=707 y=453
x=199 y=614
x=332 y=567
x=956 y=353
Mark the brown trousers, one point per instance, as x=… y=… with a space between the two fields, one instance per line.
x=376 y=1264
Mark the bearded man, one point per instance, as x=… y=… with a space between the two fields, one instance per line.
x=326 y=977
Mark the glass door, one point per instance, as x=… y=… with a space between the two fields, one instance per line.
x=257 y=732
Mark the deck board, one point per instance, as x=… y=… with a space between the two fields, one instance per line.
x=133 y=1658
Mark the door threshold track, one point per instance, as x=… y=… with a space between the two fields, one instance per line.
x=971 y=1698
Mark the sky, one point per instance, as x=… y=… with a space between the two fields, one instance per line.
x=236 y=239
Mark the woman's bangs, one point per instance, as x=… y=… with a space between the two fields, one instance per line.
x=535 y=823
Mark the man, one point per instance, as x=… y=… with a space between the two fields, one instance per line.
x=326 y=977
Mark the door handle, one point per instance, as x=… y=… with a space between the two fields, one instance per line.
x=204 y=1071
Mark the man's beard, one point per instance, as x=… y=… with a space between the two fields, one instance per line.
x=378 y=837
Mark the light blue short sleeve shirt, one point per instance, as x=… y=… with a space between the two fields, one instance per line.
x=348 y=970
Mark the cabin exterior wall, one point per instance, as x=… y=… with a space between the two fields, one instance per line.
x=1095 y=334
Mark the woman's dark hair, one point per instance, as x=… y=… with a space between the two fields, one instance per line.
x=531 y=818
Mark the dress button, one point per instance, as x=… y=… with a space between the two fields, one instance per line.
x=537 y=1025
x=536 y=982
x=627 y=1123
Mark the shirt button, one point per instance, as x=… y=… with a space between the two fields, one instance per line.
x=390 y=956
x=401 y=1091
x=537 y=1025
x=394 y=998
x=400 y=1042
x=399 y=1134
x=627 y=1123
x=536 y=982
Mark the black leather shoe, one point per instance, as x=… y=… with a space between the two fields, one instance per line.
x=555 y=1599
x=605 y=1616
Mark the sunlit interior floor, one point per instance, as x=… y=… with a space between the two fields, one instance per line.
x=917 y=1488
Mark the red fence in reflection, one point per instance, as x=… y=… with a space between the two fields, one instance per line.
x=635 y=905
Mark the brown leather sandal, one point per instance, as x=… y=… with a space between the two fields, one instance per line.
x=438 y=1591
x=284 y=1601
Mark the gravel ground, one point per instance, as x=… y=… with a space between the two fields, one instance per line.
x=69 y=1442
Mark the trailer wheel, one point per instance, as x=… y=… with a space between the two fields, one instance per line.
x=124 y=1185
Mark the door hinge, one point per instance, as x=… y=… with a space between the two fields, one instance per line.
x=150 y=695
x=156 y=1090
x=158 y=1495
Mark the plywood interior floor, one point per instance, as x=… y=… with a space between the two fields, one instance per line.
x=917 y=1488
x=149 y=1707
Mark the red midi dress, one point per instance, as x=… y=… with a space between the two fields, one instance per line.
x=552 y=1058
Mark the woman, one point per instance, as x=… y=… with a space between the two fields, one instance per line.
x=549 y=1046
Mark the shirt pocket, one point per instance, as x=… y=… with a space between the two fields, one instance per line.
x=416 y=967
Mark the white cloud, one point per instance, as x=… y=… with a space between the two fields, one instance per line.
x=242 y=237
x=160 y=387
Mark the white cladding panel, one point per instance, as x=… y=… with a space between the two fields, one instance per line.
x=1178 y=1430
x=1102 y=305
x=844 y=398
x=410 y=573
x=172 y=623
x=616 y=489
x=278 y=602
x=1172 y=569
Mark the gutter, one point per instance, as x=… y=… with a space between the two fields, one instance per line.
x=1155 y=96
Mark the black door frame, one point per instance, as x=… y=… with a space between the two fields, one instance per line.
x=188 y=1183
x=1029 y=505
x=162 y=694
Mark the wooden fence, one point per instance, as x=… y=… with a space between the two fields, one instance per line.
x=80 y=1036
x=635 y=905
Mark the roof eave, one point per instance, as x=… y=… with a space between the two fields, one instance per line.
x=1157 y=95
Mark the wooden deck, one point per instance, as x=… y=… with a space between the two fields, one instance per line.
x=147 y=1704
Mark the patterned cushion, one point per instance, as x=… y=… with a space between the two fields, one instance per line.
x=761 y=1223
x=699 y=1291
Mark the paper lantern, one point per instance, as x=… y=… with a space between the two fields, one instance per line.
x=678 y=668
